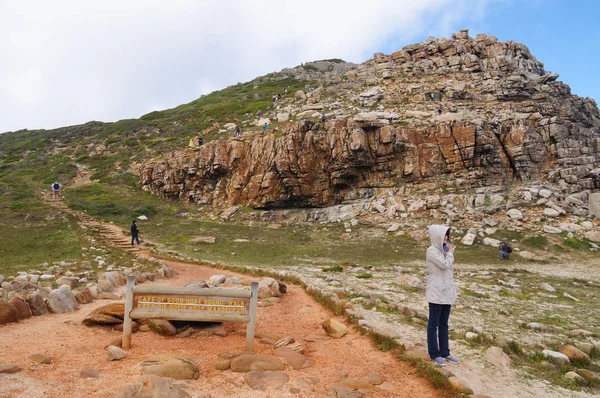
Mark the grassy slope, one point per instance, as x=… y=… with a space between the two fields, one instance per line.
x=30 y=161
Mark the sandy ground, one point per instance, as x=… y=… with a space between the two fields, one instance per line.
x=73 y=348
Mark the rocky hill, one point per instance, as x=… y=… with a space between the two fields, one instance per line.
x=496 y=118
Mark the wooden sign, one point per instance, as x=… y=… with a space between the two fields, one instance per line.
x=190 y=304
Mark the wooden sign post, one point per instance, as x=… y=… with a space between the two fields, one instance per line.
x=190 y=304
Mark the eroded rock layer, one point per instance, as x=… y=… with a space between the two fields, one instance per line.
x=460 y=111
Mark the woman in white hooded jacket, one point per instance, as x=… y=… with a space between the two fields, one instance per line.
x=440 y=293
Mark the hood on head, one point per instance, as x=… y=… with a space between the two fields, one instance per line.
x=436 y=234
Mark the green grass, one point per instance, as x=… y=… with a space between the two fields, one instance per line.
x=575 y=243
x=536 y=241
x=335 y=268
x=33 y=235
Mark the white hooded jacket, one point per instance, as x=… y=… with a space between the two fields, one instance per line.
x=440 y=281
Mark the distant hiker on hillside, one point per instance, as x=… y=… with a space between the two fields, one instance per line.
x=265 y=127
x=431 y=97
x=323 y=118
x=200 y=141
x=440 y=293
x=135 y=233
x=54 y=189
x=440 y=96
x=505 y=251
x=238 y=132
x=440 y=109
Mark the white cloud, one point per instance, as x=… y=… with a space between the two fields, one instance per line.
x=71 y=61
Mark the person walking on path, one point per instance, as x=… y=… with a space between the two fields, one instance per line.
x=238 y=132
x=440 y=109
x=265 y=127
x=135 y=233
x=440 y=293
x=55 y=189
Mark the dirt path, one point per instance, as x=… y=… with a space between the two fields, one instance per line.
x=75 y=348
x=110 y=233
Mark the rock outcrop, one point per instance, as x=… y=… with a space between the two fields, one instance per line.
x=502 y=118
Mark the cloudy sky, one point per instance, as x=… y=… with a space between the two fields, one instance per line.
x=66 y=62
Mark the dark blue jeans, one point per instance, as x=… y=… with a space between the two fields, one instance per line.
x=136 y=238
x=437 y=327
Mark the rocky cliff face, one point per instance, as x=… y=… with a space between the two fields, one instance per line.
x=497 y=117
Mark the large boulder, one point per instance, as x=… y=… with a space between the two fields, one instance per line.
x=162 y=327
x=37 y=303
x=497 y=357
x=8 y=313
x=334 y=328
x=249 y=362
x=295 y=359
x=170 y=365
x=151 y=386
x=83 y=296
x=574 y=353
x=107 y=314
x=62 y=300
x=23 y=310
x=263 y=381
x=268 y=287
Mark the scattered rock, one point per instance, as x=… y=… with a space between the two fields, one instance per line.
x=23 y=310
x=162 y=327
x=170 y=365
x=342 y=392
x=497 y=357
x=295 y=359
x=40 y=358
x=579 y=333
x=8 y=313
x=9 y=368
x=89 y=374
x=115 y=353
x=515 y=214
x=547 y=287
x=374 y=378
x=557 y=356
x=222 y=364
x=354 y=384
x=469 y=238
x=575 y=353
x=334 y=328
x=37 y=304
x=249 y=362
x=268 y=287
x=203 y=239
x=106 y=315
x=62 y=300
x=411 y=281
x=261 y=380
x=154 y=386
x=227 y=213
